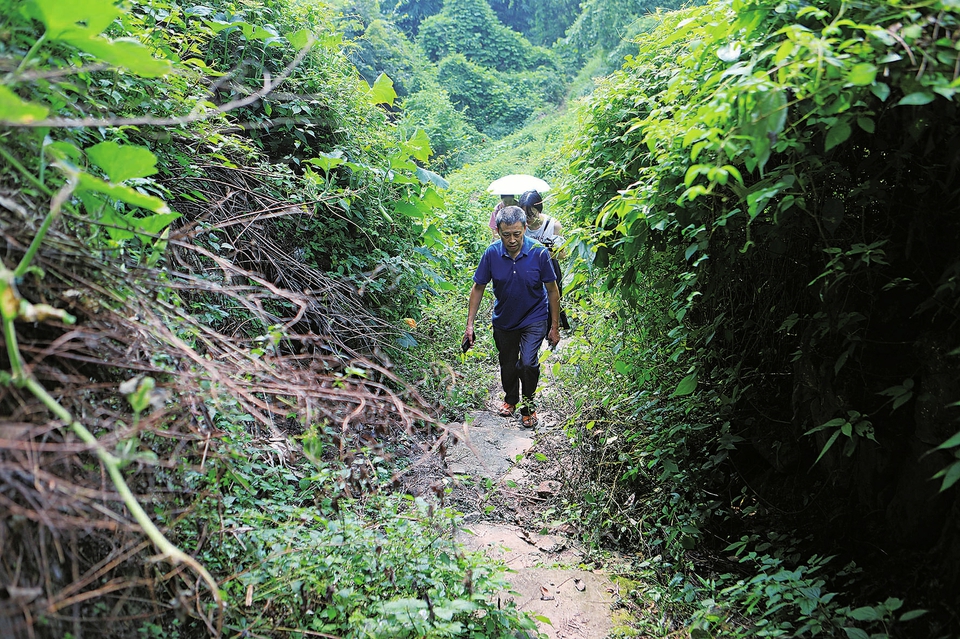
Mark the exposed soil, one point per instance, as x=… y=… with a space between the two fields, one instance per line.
x=505 y=479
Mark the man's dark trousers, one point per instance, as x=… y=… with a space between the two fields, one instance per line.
x=519 y=353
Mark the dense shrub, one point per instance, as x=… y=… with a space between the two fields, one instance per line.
x=471 y=28
x=792 y=163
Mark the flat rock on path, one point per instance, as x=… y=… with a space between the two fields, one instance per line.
x=544 y=579
x=489 y=448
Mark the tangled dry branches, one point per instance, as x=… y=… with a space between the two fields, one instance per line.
x=299 y=350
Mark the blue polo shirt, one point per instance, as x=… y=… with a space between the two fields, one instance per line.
x=521 y=298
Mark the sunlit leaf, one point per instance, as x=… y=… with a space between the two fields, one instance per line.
x=382 y=91
x=73 y=17
x=125 y=53
x=419 y=144
x=299 y=39
x=862 y=74
x=409 y=209
x=154 y=224
x=436 y=179
x=729 y=52
x=14 y=110
x=121 y=192
x=122 y=162
x=327 y=161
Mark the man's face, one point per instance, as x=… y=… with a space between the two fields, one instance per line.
x=512 y=236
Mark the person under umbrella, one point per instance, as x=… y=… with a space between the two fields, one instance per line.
x=505 y=200
x=507 y=187
x=545 y=230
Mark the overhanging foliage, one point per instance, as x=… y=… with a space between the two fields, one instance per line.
x=795 y=164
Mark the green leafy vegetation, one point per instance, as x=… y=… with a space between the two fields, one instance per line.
x=219 y=227
x=765 y=163
x=238 y=241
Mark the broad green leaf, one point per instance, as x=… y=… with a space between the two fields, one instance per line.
x=837 y=134
x=432 y=236
x=950 y=443
x=255 y=32
x=125 y=53
x=62 y=151
x=670 y=468
x=912 y=614
x=218 y=25
x=867 y=124
x=431 y=198
x=126 y=227
x=331 y=40
x=426 y=176
x=408 y=209
x=382 y=91
x=122 y=162
x=918 y=98
x=893 y=603
x=881 y=90
x=862 y=74
x=622 y=367
x=419 y=144
x=855 y=633
x=118 y=227
x=153 y=224
x=121 y=192
x=73 y=17
x=327 y=161
x=14 y=110
x=950 y=475
x=299 y=39
x=686 y=386
x=866 y=613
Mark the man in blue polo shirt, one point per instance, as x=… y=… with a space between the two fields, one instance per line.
x=525 y=288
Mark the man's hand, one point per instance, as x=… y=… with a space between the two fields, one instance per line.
x=468 y=338
x=553 y=337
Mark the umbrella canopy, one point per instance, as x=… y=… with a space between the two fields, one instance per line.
x=517 y=184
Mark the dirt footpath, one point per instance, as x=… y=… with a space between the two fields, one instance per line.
x=501 y=481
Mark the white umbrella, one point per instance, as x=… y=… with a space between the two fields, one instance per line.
x=517 y=184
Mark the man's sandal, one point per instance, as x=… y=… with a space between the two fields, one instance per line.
x=507 y=410
x=530 y=421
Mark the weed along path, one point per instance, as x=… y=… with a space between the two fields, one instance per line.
x=503 y=478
